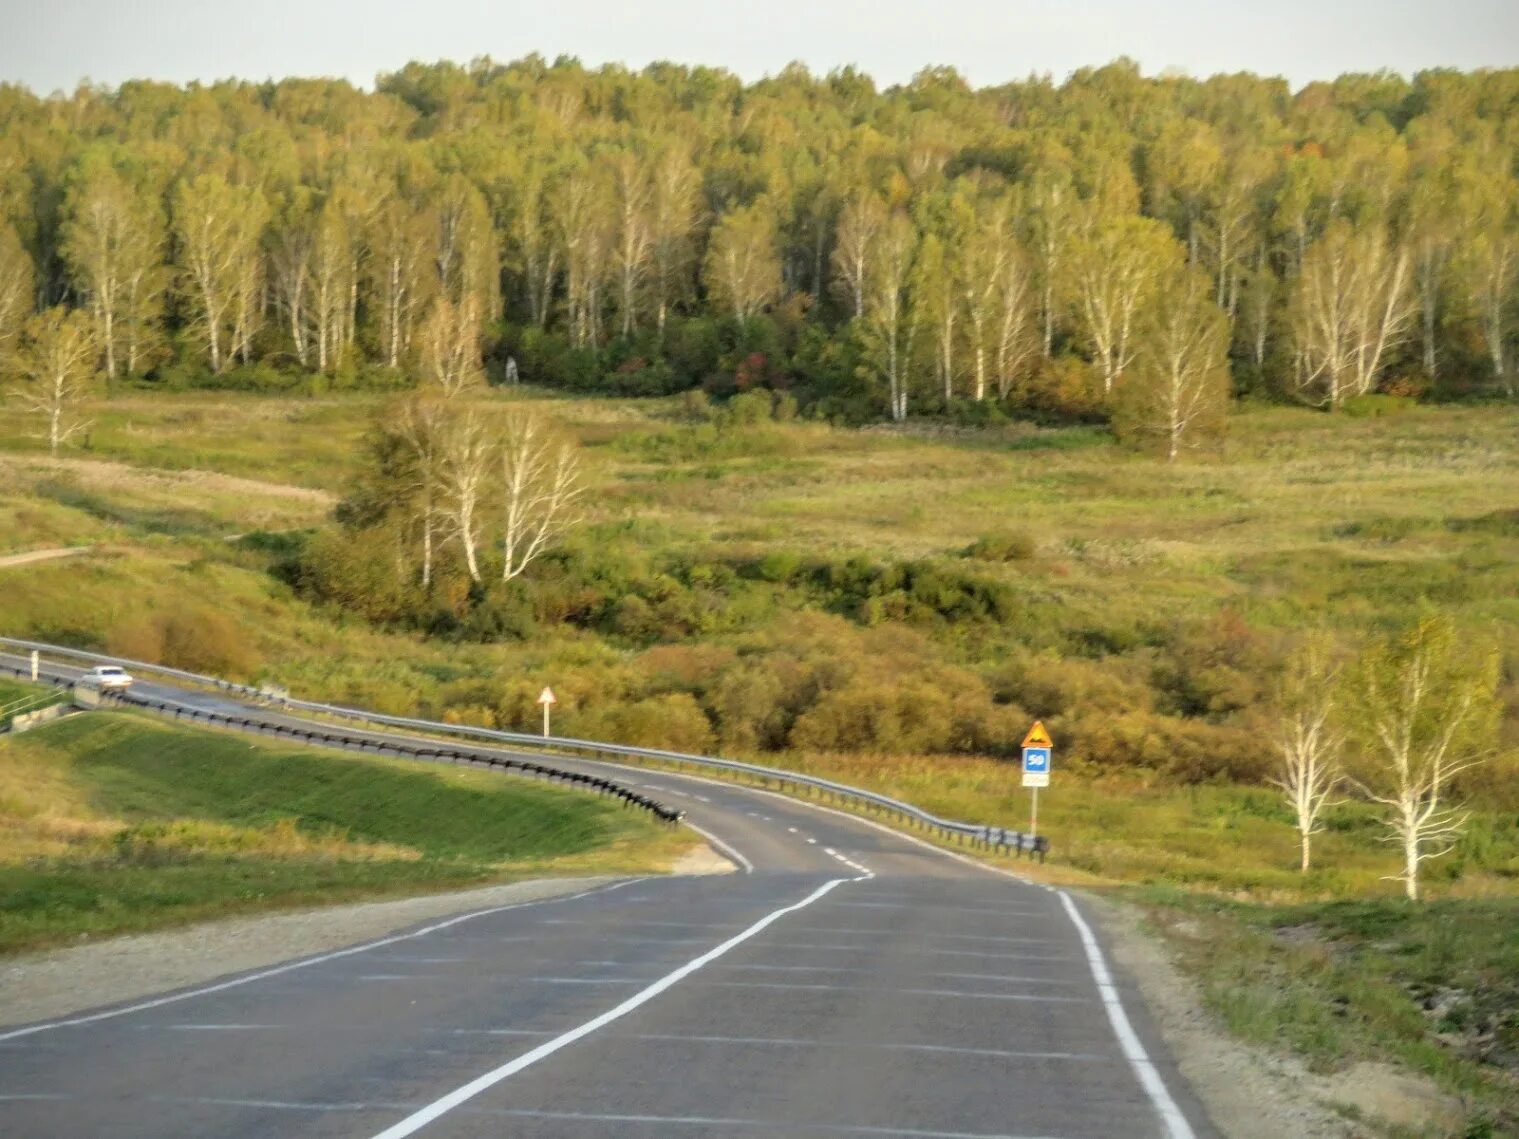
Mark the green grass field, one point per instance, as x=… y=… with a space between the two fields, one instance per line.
x=112 y=822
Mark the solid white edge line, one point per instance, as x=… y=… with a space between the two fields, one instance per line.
x=288 y=967
x=1133 y=1049
x=419 y=1119
x=725 y=848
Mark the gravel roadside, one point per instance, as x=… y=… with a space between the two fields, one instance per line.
x=65 y=981
x=61 y=982
x=1250 y=1094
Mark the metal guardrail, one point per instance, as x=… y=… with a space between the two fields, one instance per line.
x=969 y=833
x=24 y=706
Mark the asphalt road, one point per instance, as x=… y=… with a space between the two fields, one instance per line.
x=851 y=982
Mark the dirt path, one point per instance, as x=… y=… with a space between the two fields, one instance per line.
x=9 y=560
x=106 y=474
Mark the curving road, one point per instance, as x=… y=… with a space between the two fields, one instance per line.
x=850 y=982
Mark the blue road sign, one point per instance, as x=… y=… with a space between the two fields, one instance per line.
x=1036 y=766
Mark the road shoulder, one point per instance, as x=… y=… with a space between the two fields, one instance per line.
x=1247 y=1094
x=61 y=982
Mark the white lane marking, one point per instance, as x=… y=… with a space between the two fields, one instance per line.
x=782 y=1126
x=419 y=1119
x=781 y=1041
x=623 y=923
x=812 y=842
x=723 y=846
x=302 y=964
x=1037 y=998
x=791 y=830
x=502 y=979
x=700 y=798
x=273 y=1104
x=875 y=933
x=214 y=1027
x=836 y=969
x=924 y=952
x=1133 y=1049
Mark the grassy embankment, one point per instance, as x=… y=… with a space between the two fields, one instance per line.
x=114 y=823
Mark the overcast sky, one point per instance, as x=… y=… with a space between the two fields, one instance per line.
x=52 y=44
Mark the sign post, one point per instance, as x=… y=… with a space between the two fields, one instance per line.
x=34 y=664
x=546 y=698
x=1037 y=750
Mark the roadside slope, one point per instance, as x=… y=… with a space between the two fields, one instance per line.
x=113 y=823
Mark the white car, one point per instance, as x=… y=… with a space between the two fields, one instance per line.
x=108 y=677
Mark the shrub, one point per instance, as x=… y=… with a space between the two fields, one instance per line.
x=1010 y=546
x=196 y=639
x=1375 y=405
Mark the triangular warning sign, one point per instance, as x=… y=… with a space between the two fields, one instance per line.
x=547 y=696
x=1037 y=736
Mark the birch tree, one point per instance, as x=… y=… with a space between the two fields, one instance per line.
x=888 y=326
x=1352 y=306
x=584 y=211
x=218 y=228
x=290 y=271
x=400 y=249
x=15 y=290
x=1180 y=387
x=1052 y=199
x=57 y=367
x=860 y=226
x=1115 y=263
x=995 y=291
x=1425 y=710
x=537 y=252
x=466 y=461
x=936 y=306
x=541 y=489
x=111 y=249
x=465 y=253
x=450 y=347
x=1309 y=772
x=331 y=281
x=676 y=181
x=633 y=248
x=421 y=425
x=743 y=261
x=1490 y=266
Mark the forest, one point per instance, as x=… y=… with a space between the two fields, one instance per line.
x=1112 y=247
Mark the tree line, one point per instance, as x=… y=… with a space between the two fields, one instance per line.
x=1110 y=246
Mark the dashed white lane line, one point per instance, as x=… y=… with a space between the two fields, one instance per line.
x=302 y=964
x=708 y=1123
x=790 y=1042
x=419 y=1119
x=1033 y=998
